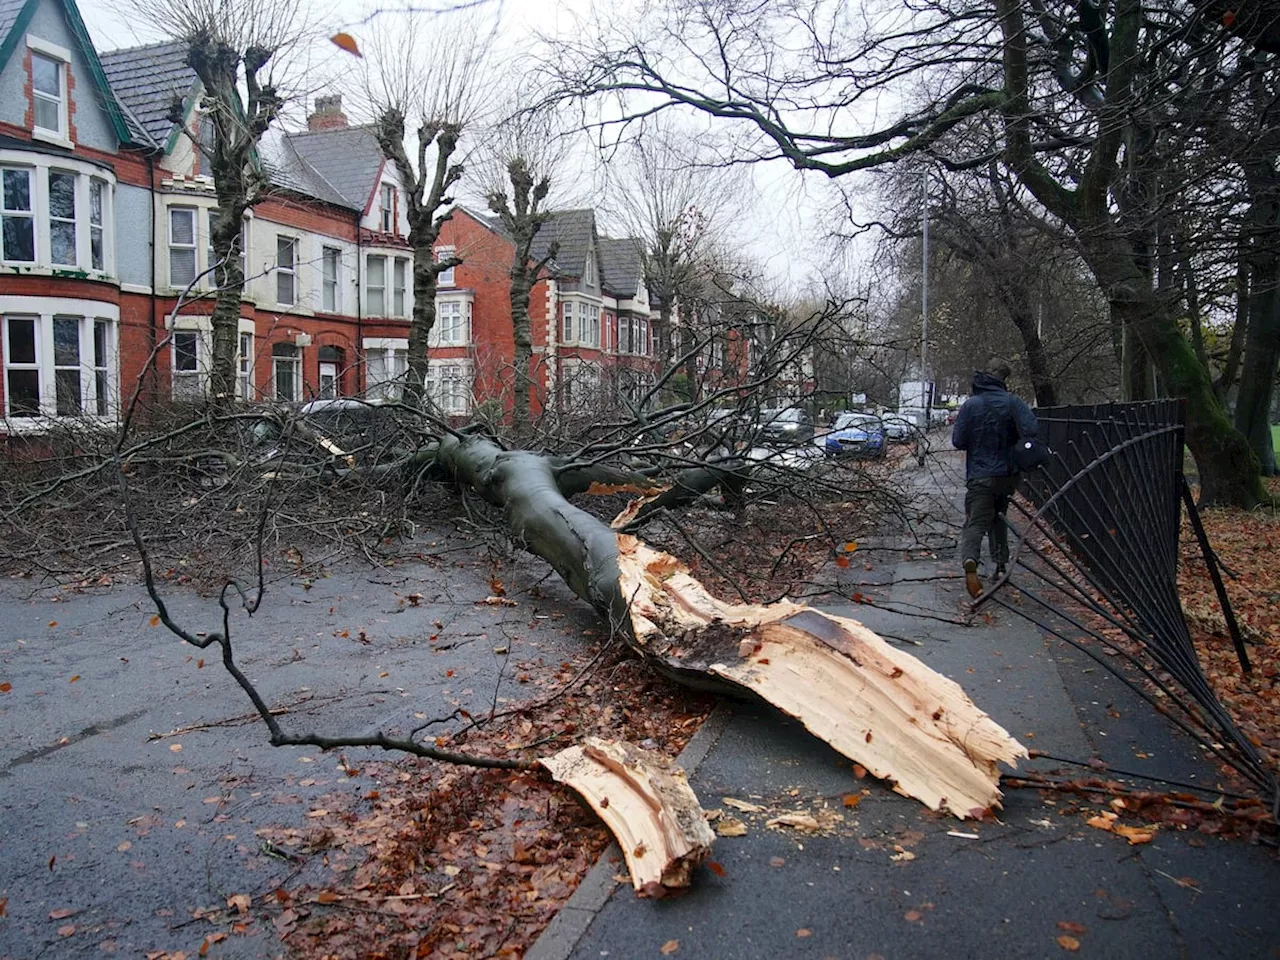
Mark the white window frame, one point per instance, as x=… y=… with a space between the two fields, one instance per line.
x=77 y=204
x=29 y=214
x=458 y=331
x=103 y=190
x=193 y=245
x=370 y=286
x=290 y=272
x=98 y=379
x=450 y=385
x=293 y=360
x=245 y=357
x=387 y=209
x=36 y=168
x=388 y=357
x=61 y=57
x=399 y=275
x=331 y=286
x=445 y=278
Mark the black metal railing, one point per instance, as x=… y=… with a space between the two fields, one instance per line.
x=1098 y=530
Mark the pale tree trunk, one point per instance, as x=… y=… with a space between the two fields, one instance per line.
x=877 y=705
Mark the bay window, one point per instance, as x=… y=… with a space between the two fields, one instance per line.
x=581 y=324
x=55 y=212
x=568 y=330
x=17 y=216
x=376 y=285
x=182 y=246
x=449 y=386
x=58 y=365
x=453 y=323
x=286 y=271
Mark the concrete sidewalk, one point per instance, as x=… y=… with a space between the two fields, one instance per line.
x=894 y=880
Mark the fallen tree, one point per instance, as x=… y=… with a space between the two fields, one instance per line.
x=876 y=705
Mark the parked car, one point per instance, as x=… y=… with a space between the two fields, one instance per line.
x=899 y=427
x=789 y=425
x=856 y=435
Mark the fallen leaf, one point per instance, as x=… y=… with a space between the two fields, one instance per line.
x=326 y=896
x=1070 y=926
x=240 y=902
x=451 y=871
x=1136 y=835
x=61 y=914
x=912 y=916
x=670 y=947
x=53 y=623
x=175 y=748
x=155 y=620
x=1104 y=821
x=67 y=931
x=859 y=771
x=716 y=868
x=804 y=932
x=74 y=678
x=777 y=861
x=123 y=847
x=5 y=687
x=852 y=799
x=1069 y=944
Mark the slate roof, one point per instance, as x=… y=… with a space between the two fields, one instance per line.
x=291 y=171
x=573 y=230
x=146 y=80
x=347 y=160
x=622 y=263
x=9 y=10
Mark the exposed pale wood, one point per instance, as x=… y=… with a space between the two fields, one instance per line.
x=877 y=705
x=647 y=803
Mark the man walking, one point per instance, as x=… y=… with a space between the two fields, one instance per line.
x=989 y=426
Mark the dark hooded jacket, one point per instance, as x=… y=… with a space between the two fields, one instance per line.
x=990 y=423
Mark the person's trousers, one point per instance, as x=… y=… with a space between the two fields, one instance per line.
x=985 y=501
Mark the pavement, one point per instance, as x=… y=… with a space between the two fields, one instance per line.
x=894 y=880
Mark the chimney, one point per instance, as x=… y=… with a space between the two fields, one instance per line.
x=328 y=115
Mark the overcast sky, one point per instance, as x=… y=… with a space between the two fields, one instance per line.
x=782 y=222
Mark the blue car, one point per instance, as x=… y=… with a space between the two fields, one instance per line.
x=856 y=435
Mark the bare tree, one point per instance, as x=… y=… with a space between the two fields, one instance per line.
x=424 y=88
x=237 y=48
x=1077 y=96
x=524 y=154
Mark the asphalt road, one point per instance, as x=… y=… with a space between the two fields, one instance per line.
x=121 y=837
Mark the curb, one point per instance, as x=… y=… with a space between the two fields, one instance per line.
x=567 y=927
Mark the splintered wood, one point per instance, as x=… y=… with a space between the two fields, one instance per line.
x=877 y=705
x=646 y=802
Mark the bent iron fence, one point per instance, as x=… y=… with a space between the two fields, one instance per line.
x=1099 y=531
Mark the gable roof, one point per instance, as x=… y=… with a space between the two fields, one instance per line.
x=147 y=80
x=348 y=159
x=573 y=230
x=290 y=171
x=14 y=17
x=622 y=263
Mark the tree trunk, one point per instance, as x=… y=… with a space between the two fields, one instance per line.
x=423 y=319
x=877 y=705
x=1261 y=359
x=228 y=277
x=1135 y=368
x=1020 y=313
x=522 y=336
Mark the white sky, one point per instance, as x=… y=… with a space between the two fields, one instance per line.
x=783 y=218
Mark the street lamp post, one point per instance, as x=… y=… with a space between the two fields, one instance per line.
x=924 y=300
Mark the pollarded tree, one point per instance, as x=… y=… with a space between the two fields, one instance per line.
x=235 y=48
x=423 y=87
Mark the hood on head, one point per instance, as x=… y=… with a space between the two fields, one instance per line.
x=983 y=381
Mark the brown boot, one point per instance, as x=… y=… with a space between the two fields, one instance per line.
x=972 y=582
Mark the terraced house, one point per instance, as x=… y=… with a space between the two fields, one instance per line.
x=106 y=203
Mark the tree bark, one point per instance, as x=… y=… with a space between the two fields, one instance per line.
x=875 y=704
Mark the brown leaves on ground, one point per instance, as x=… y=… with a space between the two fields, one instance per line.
x=447 y=862
x=1247 y=544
